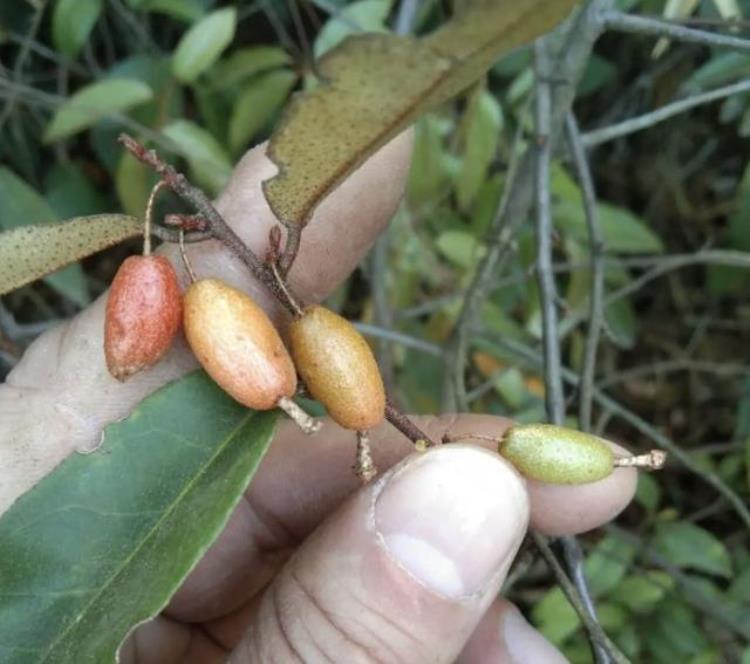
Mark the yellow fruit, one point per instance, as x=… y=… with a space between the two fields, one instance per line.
x=238 y=345
x=338 y=368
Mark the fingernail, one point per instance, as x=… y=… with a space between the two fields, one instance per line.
x=526 y=645
x=452 y=518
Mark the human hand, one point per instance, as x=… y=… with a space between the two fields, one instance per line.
x=407 y=569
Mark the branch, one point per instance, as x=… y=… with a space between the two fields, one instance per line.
x=645 y=25
x=596 y=247
x=599 y=136
x=599 y=638
x=220 y=230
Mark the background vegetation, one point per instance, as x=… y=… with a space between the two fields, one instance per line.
x=205 y=80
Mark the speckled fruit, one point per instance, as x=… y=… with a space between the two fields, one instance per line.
x=557 y=455
x=338 y=368
x=144 y=312
x=237 y=344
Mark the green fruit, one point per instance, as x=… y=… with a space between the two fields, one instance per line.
x=557 y=455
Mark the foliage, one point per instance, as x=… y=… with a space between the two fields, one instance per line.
x=202 y=82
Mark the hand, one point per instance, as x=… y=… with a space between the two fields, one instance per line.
x=407 y=569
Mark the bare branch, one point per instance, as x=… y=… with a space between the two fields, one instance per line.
x=646 y=25
x=599 y=136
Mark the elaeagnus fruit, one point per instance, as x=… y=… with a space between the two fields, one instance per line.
x=143 y=314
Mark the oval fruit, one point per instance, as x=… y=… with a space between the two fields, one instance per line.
x=557 y=455
x=238 y=345
x=143 y=314
x=338 y=368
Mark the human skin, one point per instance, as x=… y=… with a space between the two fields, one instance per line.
x=312 y=567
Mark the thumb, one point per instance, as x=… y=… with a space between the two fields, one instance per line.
x=403 y=571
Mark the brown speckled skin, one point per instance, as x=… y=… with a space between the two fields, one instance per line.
x=237 y=344
x=338 y=368
x=144 y=313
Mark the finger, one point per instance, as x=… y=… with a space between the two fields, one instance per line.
x=504 y=636
x=302 y=480
x=403 y=571
x=60 y=396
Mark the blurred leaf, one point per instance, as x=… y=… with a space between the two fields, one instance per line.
x=511 y=387
x=483 y=126
x=72 y=21
x=375 y=85
x=607 y=564
x=598 y=73
x=686 y=545
x=182 y=10
x=71 y=194
x=362 y=16
x=555 y=617
x=133 y=183
x=460 y=248
x=244 y=63
x=642 y=593
x=648 y=492
x=101 y=543
x=673 y=633
x=622 y=323
x=720 y=69
x=257 y=105
x=22 y=262
x=429 y=172
x=208 y=160
x=94 y=102
x=202 y=45
x=613 y=618
x=728 y=9
x=28 y=253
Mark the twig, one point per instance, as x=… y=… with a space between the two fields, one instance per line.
x=554 y=394
x=646 y=25
x=599 y=638
x=599 y=136
x=220 y=230
x=596 y=248
x=577 y=36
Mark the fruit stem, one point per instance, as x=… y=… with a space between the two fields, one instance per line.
x=185 y=260
x=364 y=467
x=148 y=217
x=306 y=422
x=282 y=285
x=653 y=460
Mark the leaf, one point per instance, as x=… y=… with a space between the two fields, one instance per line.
x=244 y=63
x=607 y=564
x=102 y=543
x=642 y=593
x=375 y=85
x=460 y=248
x=94 y=102
x=482 y=138
x=182 y=10
x=133 y=184
x=28 y=253
x=686 y=545
x=257 y=105
x=71 y=194
x=202 y=45
x=72 y=22
x=362 y=16
x=20 y=205
x=555 y=617
x=208 y=160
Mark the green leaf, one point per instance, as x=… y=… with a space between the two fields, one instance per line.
x=257 y=105
x=460 y=248
x=28 y=253
x=686 y=545
x=648 y=492
x=208 y=160
x=244 y=63
x=202 y=45
x=71 y=194
x=607 y=564
x=72 y=22
x=362 y=16
x=555 y=617
x=624 y=233
x=133 y=183
x=182 y=10
x=94 y=102
x=103 y=542
x=482 y=137
x=23 y=261
x=642 y=593
x=375 y=85
x=429 y=170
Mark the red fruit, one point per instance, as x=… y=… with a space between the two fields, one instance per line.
x=144 y=312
